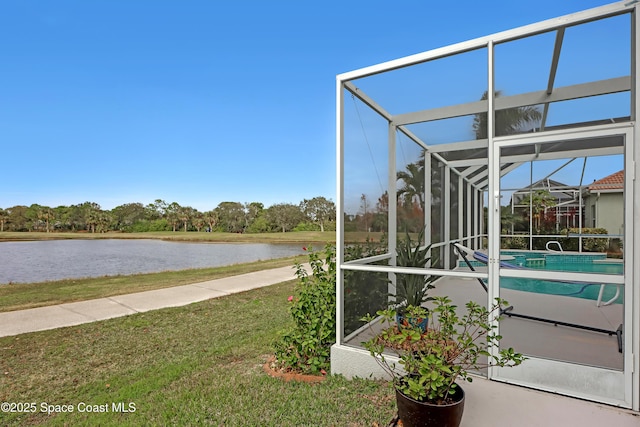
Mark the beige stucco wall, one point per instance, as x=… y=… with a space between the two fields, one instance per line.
x=609 y=212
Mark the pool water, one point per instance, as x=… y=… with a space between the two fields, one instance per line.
x=576 y=290
x=588 y=263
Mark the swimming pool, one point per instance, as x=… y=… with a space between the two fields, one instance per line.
x=561 y=261
x=582 y=263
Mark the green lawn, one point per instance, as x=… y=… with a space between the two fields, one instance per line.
x=195 y=365
x=317 y=238
x=302 y=237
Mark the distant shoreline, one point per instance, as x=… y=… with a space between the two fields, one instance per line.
x=316 y=238
x=306 y=237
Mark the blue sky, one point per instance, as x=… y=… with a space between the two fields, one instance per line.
x=201 y=102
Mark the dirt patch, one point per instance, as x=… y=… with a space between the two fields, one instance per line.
x=274 y=371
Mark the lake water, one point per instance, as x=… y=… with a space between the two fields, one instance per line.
x=41 y=261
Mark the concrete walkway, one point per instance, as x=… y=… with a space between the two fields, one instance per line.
x=76 y=313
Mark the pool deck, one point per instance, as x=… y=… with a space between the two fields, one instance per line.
x=544 y=339
x=496 y=404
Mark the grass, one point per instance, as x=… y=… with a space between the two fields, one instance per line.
x=193 y=365
x=316 y=238
x=20 y=296
x=304 y=237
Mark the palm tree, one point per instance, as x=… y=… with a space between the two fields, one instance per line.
x=413 y=183
x=4 y=217
x=540 y=201
x=103 y=220
x=46 y=214
x=91 y=215
x=412 y=192
x=211 y=218
x=508 y=121
x=172 y=214
x=198 y=221
x=185 y=213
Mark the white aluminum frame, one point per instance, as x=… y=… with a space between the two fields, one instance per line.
x=605 y=385
x=490 y=179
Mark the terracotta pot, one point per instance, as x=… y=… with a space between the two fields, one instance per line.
x=413 y=413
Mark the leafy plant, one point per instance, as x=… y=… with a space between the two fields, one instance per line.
x=306 y=346
x=589 y=244
x=515 y=242
x=412 y=289
x=432 y=361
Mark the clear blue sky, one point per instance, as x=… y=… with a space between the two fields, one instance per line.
x=199 y=102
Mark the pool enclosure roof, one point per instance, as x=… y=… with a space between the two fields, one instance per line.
x=468 y=158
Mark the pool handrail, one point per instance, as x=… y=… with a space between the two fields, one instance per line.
x=599 y=302
x=553 y=250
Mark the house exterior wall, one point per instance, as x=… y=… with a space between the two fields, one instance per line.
x=608 y=211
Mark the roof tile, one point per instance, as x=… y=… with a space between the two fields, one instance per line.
x=612 y=182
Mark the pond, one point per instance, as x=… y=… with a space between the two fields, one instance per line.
x=41 y=261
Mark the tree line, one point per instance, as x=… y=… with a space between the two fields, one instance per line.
x=317 y=213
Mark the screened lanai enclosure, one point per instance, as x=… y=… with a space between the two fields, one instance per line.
x=513 y=158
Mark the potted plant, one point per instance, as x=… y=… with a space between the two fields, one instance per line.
x=412 y=289
x=434 y=362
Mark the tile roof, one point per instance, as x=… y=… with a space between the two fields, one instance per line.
x=612 y=182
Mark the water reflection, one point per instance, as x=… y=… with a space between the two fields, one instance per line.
x=60 y=259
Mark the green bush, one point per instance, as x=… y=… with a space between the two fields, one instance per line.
x=589 y=244
x=517 y=242
x=307 y=226
x=306 y=347
x=259 y=225
x=145 y=225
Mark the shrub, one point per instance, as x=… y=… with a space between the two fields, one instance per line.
x=145 y=225
x=307 y=226
x=259 y=225
x=515 y=242
x=589 y=244
x=306 y=347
